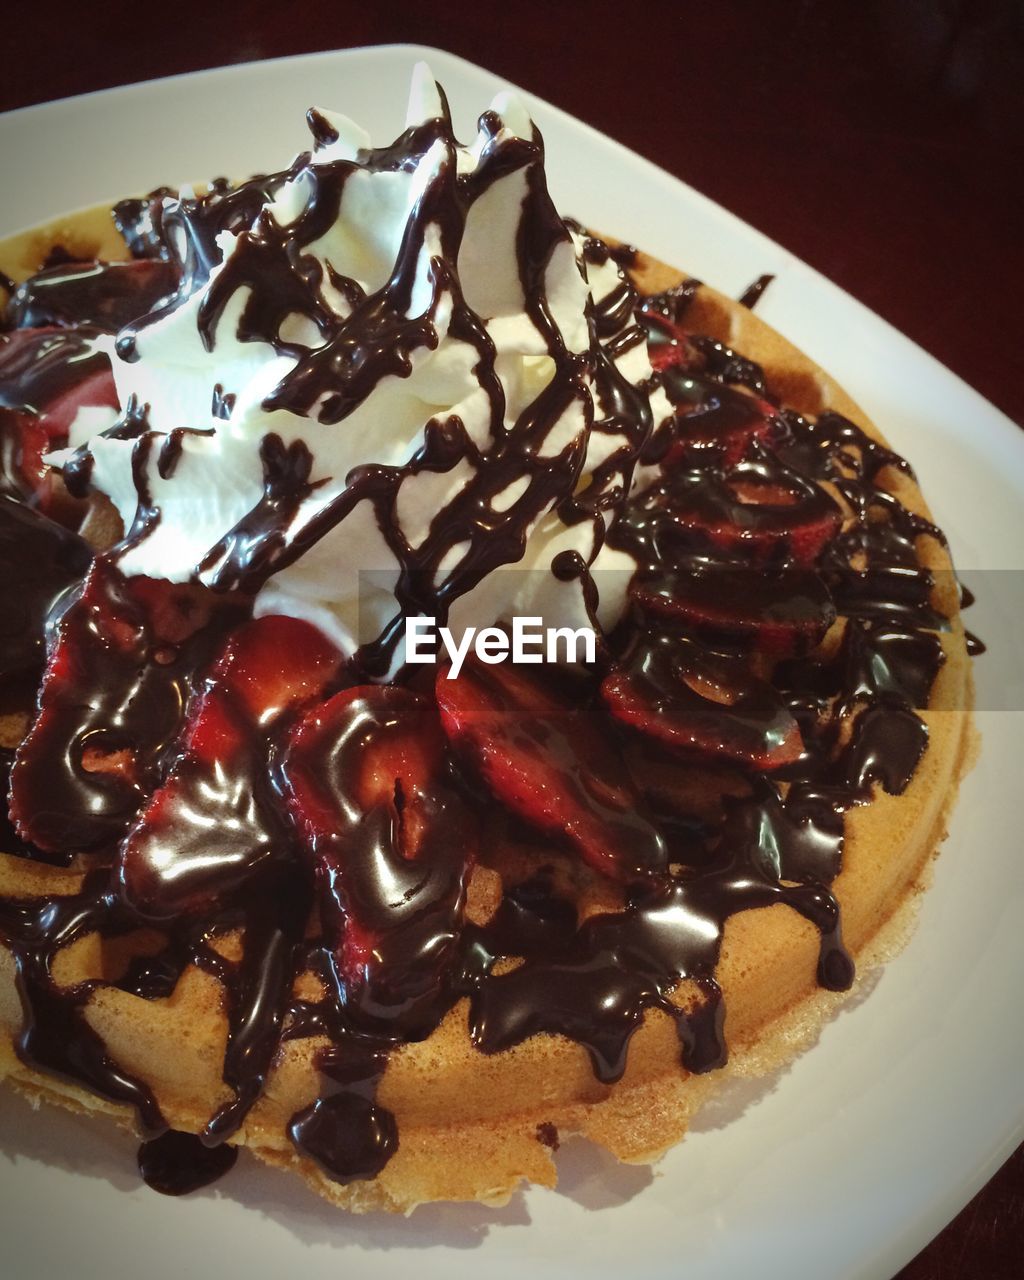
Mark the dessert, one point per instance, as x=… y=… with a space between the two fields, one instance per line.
x=268 y=884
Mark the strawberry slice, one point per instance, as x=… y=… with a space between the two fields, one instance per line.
x=392 y=845
x=216 y=823
x=39 y=561
x=781 y=611
x=105 y=294
x=679 y=692
x=276 y=663
x=122 y=661
x=667 y=342
x=758 y=508
x=713 y=416
x=549 y=761
x=46 y=376
x=697 y=376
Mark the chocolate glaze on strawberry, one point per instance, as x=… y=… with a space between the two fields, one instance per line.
x=40 y=561
x=704 y=767
x=105 y=294
x=122 y=658
x=46 y=375
x=548 y=761
x=392 y=845
x=779 y=609
x=675 y=689
x=753 y=294
x=55 y=1038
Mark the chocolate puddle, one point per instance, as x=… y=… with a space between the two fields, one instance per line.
x=176 y=1163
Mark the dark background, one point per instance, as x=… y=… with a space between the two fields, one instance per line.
x=882 y=141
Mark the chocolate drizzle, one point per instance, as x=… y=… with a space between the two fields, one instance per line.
x=100 y=740
x=44 y=375
x=368 y=337
x=176 y=1163
x=753 y=294
x=344 y=1131
x=107 y=295
x=55 y=1038
x=594 y=985
x=743 y=739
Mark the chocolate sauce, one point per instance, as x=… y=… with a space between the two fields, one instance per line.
x=598 y=986
x=138 y=222
x=397 y=863
x=730 y=725
x=344 y=1132
x=176 y=1163
x=42 y=372
x=37 y=366
x=112 y=710
x=275 y=917
x=377 y=340
x=40 y=561
x=753 y=294
x=548 y=1135
x=105 y=294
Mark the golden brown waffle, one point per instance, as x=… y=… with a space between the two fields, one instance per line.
x=474 y=1127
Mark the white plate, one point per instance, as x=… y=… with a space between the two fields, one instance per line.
x=850 y=1161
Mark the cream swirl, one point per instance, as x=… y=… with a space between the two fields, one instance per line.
x=390 y=376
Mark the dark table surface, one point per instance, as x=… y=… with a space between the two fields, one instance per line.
x=882 y=141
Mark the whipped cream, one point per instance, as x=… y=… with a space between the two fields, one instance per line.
x=392 y=381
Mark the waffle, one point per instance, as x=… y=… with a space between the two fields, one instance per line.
x=475 y=1126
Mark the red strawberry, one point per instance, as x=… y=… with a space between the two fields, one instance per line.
x=39 y=561
x=46 y=376
x=716 y=416
x=391 y=843
x=549 y=761
x=677 y=691
x=105 y=294
x=780 y=610
x=216 y=822
x=758 y=507
x=667 y=344
x=111 y=707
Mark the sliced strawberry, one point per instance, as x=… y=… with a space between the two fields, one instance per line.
x=667 y=345
x=216 y=822
x=550 y=763
x=392 y=845
x=782 y=611
x=111 y=707
x=758 y=508
x=679 y=692
x=46 y=376
x=682 y=789
x=714 y=416
x=52 y=372
x=39 y=562
x=105 y=294
x=275 y=663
